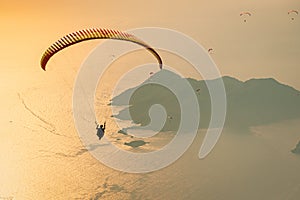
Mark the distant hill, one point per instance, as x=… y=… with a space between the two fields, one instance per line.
x=297 y=149
x=250 y=103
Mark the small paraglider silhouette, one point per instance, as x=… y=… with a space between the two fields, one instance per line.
x=210 y=50
x=245 y=15
x=292 y=12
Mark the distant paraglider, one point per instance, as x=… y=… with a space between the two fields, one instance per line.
x=210 y=50
x=89 y=34
x=292 y=13
x=245 y=15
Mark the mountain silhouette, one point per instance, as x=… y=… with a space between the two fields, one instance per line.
x=296 y=150
x=251 y=103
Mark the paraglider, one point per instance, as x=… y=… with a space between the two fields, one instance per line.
x=248 y=14
x=100 y=130
x=93 y=33
x=293 y=12
x=210 y=50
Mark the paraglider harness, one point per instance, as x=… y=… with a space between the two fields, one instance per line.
x=100 y=130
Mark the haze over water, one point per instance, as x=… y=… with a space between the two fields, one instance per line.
x=41 y=155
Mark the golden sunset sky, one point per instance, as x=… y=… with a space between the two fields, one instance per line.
x=267 y=45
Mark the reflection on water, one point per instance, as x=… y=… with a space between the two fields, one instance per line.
x=258 y=166
x=36 y=164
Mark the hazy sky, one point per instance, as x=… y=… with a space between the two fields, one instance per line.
x=267 y=45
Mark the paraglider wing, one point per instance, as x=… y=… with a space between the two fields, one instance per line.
x=90 y=34
x=293 y=11
x=245 y=13
x=209 y=50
